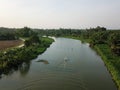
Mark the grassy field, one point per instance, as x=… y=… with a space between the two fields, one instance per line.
x=9 y=44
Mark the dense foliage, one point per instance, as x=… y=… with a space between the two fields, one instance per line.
x=24 y=32
x=7 y=34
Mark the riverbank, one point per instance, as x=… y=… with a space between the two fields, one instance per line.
x=12 y=58
x=111 y=60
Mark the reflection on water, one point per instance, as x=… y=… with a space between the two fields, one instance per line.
x=24 y=68
x=43 y=61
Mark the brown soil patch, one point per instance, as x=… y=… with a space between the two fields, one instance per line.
x=10 y=43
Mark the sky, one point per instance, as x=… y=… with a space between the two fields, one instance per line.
x=75 y=14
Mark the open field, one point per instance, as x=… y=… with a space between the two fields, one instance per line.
x=9 y=43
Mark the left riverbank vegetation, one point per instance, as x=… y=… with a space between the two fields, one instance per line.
x=12 y=58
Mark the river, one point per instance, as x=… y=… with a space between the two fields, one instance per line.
x=67 y=64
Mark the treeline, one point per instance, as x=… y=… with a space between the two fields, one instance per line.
x=98 y=35
x=57 y=32
x=14 y=33
x=7 y=34
x=111 y=38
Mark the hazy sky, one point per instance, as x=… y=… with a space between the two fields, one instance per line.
x=60 y=13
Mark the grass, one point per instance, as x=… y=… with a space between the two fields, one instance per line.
x=47 y=40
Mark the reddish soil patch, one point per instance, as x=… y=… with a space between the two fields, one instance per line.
x=9 y=43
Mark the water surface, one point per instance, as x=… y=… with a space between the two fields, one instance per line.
x=67 y=64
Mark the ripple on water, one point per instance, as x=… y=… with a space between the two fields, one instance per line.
x=56 y=81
